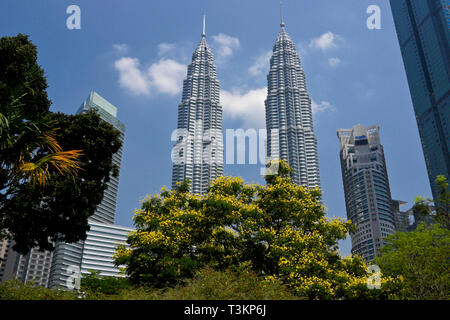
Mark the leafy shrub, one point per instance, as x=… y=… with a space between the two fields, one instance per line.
x=209 y=284
x=94 y=283
x=16 y=290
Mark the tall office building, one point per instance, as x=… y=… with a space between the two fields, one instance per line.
x=198 y=152
x=423 y=30
x=402 y=218
x=8 y=259
x=289 y=113
x=366 y=186
x=106 y=210
x=95 y=253
x=33 y=267
x=446 y=8
x=69 y=256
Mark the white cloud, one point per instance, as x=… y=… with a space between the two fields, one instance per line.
x=131 y=77
x=164 y=48
x=120 y=48
x=164 y=76
x=302 y=49
x=261 y=64
x=247 y=106
x=321 y=107
x=225 y=45
x=326 y=41
x=333 y=62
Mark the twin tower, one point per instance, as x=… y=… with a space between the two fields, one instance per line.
x=198 y=154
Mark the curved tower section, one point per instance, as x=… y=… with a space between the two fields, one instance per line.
x=198 y=151
x=289 y=113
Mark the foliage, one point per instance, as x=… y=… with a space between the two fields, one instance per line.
x=59 y=212
x=242 y=284
x=94 y=283
x=32 y=140
x=280 y=230
x=16 y=290
x=442 y=206
x=28 y=147
x=421 y=258
x=207 y=284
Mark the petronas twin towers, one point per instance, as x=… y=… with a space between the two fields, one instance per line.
x=289 y=111
x=198 y=152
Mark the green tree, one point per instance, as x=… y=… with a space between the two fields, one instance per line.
x=46 y=193
x=280 y=230
x=442 y=207
x=28 y=147
x=96 y=284
x=421 y=258
x=37 y=217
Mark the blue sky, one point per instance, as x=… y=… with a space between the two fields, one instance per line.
x=134 y=53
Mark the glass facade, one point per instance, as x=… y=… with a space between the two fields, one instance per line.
x=68 y=256
x=423 y=31
x=366 y=186
x=106 y=210
x=100 y=246
x=95 y=253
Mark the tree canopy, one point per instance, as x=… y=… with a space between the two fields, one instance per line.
x=442 y=205
x=279 y=230
x=33 y=144
x=421 y=258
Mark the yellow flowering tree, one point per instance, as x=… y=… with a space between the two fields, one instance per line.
x=280 y=230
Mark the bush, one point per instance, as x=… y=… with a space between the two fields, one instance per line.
x=16 y=290
x=93 y=283
x=209 y=284
x=206 y=285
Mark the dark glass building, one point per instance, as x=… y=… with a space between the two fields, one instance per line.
x=424 y=36
x=366 y=187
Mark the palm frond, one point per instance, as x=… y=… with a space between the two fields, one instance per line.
x=65 y=162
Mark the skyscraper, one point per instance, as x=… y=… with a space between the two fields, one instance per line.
x=366 y=186
x=402 y=218
x=75 y=260
x=34 y=266
x=106 y=210
x=198 y=151
x=54 y=268
x=289 y=112
x=69 y=256
x=423 y=30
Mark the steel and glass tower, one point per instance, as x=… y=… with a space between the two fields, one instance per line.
x=423 y=30
x=366 y=186
x=198 y=151
x=289 y=113
x=68 y=257
x=106 y=210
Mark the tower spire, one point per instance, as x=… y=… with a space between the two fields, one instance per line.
x=204 y=24
x=282 y=24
